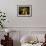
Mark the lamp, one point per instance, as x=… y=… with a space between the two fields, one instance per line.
x=7 y=31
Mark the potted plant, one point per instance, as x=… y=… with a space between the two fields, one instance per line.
x=2 y=19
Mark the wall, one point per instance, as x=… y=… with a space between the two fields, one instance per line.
x=35 y=23
x=38 y=18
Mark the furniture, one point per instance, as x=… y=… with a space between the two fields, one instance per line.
x=44 y=44
x=8 y=41
x=29 y=40
x=28 y=44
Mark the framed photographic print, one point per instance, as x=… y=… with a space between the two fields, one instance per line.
x=24 y=10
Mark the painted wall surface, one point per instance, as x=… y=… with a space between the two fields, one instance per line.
x=38 y=18
x=24 y=24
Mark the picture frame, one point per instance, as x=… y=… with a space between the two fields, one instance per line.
x=24 y=10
